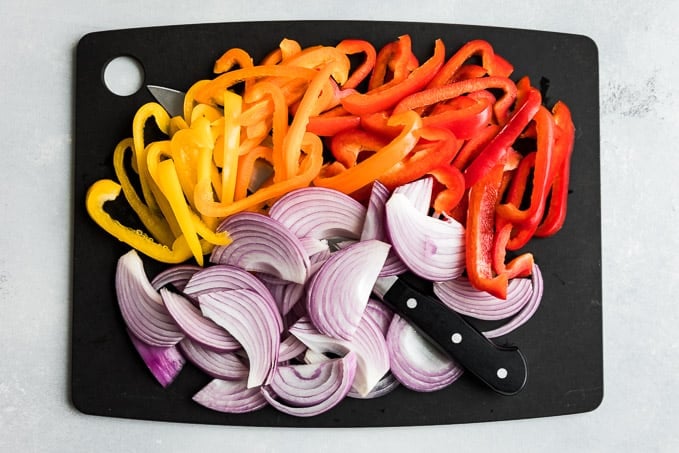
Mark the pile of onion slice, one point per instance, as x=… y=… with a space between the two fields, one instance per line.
x=284 y=315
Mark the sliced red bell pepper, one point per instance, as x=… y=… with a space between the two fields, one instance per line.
x=492 y=154
x=480 y=234
x=440 y=149
x=563 y=150
x=331 y=125
x=464 y=122
x=452 y=180
x=474 y=145
x=521 y=266
x=388 y=95
x=352 y=47
x=494 y=64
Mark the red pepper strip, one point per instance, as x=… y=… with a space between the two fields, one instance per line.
x=347 y=145
x=404 y=61
x=563 y=149
x=393 y=63
x=491 y=155
x=368 y=170
x=328 y=126
x=480 y=234
x=469 y=71
x=529 y=218
x=390 y=94
x=431 y=96
x=521 y=266
x=474 y=146
x=495 y=65
x=440 y=149
x=354 y=46
x=449 y=198
x=519 y=181
x=463 y=122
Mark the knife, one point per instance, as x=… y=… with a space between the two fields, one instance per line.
x=502 y=368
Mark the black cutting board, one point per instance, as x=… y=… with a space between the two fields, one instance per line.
x=562 y=343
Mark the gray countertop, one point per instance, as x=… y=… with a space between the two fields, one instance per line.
x=639 y=101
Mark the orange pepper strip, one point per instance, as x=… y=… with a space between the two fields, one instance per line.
x=368 y=170
x=293 y=139
x=309 y=168
x=247 y=165
x=212 y=91
x=280 y=119
x=233 y=106
x=354 y=46
x=231 y=58
x=317 y=57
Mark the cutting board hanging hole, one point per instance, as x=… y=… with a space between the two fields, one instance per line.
x=123 y=75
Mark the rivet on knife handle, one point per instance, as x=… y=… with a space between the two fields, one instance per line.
x=502 y=368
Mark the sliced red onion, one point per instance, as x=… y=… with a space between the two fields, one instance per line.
x=314 y=246
x=222 y=277
x=164 y=362
x=233 y=397
x=461 y=296
x=320 y=213
x=176 y=276
x=310 y=389
x=338 y=293
x=290 y=348
x=253 y=322
x=419 y=193
x=141 y=306
x=368 y=343
x=380 y=313
x=196 y=326
x=262 y=244
x=528 y=309
x=432 y=248
x=374 y=228
x=220 y=365
x=385 y=386
x=415 y=362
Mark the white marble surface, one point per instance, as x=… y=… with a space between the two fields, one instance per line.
x=638 y=44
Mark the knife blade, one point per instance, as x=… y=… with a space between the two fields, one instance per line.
x=171 y=100
x=502 y=368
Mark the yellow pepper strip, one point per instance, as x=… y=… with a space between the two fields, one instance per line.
x=356 y=177
x=155 y=224
x=247 y=164
x=167 y=180
x=177 y=123
x=311 y=165
x=107 y=190
x=205 y=111
x=212 y=92
x=185 y=146
x=189 y=102
x=147 y=111
x=156 y=152
x=280 y=119
x=293 y=139
x=233 y=106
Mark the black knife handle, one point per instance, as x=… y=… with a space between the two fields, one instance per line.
x=502 y=368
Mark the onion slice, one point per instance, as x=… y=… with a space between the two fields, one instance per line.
x=233 y=397
x=176 y=276
x=368 y=343
x=460 y=296
x=222 y=277
x=320 y=213
x=196 y=326
x=415 y=362
x=385 y=386
x=221 y=365
x=418 y=192
x=527 y=311
x=252 y=321
x=164 y=362
x=307 y=390
x=262 y=244
x=338 y=293
x=374 y=228
x=141 y=305
x=432 y=248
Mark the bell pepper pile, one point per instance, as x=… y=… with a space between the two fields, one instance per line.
x=257 y=131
